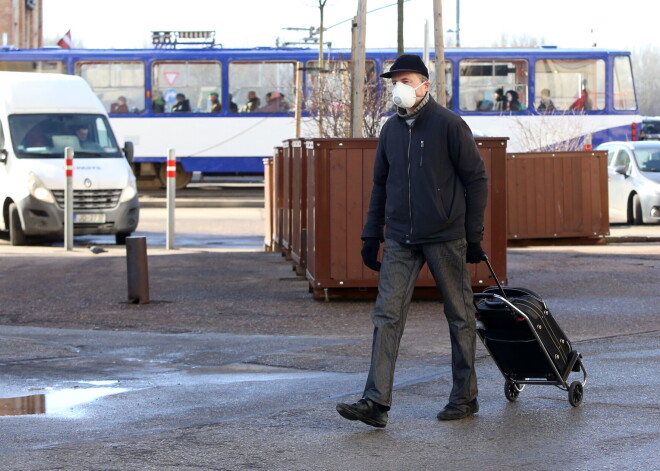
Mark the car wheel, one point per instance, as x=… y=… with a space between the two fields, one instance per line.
x=16 y=234
x=637 y=217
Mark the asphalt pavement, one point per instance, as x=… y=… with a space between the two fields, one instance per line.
x=233 y=366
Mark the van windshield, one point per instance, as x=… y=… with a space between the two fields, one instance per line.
x=46 y=135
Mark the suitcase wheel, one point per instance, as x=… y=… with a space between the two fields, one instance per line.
x=575 y=393
x=512 y=390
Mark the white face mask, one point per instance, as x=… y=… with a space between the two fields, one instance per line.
x=404 y=96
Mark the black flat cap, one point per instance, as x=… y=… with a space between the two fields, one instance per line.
x=407 y=63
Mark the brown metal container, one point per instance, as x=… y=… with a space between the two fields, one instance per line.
x=298 y=204
x=268 y=204
x=287 y=159
x=557 y=195
x=278 y=200
x=339 y=182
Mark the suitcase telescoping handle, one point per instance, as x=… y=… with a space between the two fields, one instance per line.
x=485 y=258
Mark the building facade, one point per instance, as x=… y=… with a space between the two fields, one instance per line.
x=21 y=23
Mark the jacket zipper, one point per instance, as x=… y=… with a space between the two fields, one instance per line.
x=421 y=156
x=409 y=192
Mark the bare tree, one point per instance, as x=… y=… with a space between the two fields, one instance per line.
x=646 y=69
x=376 y=105
x=518 y=40
x=328 y=100
x=552 y=132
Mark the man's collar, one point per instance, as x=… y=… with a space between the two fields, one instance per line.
x=412 y=114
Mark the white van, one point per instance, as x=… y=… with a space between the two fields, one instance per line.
x=40 y=115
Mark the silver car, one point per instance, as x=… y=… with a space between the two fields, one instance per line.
x=633 y=170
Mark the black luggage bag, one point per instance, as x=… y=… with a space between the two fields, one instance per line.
x=526 y=342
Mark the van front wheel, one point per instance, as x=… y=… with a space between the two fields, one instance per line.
x=16 y=234
x=120 y=238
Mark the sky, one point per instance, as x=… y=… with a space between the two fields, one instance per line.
x=254 y=23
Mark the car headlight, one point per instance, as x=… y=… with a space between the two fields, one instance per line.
x=127 y=194
x=38 y=190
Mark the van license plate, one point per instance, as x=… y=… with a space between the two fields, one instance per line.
x=89 y=218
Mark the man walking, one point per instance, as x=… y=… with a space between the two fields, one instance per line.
x=430 y=190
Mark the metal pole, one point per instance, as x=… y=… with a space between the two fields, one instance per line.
x=68 y=199
x=321 y=79
x=354 y=33
x=425 y=54
x=441 y=92
x=458 y=23
x=321 y=7
x=171 y=197
x=399 y=23
x=299 y=97
x=359 y=60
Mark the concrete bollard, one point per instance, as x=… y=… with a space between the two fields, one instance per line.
x=137 y=270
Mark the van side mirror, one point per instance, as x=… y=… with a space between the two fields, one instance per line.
x=621 y=169
x=129 y=151
x=3 y=156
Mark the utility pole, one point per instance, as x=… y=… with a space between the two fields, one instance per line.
x=354 y=40
x=321 y=7
x=425 y=54
x=399 y=39
x=299 y=97
x=359 y=60
x=439 y=54
x=458 y=23
x=320 y=79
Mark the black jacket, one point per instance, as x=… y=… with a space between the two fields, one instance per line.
x=181 y=107
x=430 y=183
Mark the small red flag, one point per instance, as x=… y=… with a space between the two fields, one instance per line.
x=65 y=42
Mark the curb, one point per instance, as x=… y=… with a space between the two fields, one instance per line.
x=206 y=203
x=630 y=239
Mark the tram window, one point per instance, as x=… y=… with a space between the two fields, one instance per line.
x=195 y=80
x=112 y=80
x=48 y=67
x=624 y=88
x=575 y=85
x=387 y=88
x=493 y=85
x=335 y=84
x=262 y=86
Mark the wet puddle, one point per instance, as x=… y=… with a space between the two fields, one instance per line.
x=56 y=402
x=26 y=405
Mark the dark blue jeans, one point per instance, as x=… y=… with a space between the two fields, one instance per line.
x=400 y=267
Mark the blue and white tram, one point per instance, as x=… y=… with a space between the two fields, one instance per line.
x=592 y=93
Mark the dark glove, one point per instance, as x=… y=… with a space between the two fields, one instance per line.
x=370 y=248
x=475 y=253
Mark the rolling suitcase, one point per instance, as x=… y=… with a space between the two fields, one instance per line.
x=526 y=342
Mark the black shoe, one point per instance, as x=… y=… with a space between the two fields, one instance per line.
x=365 y=411
x=454 y=412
